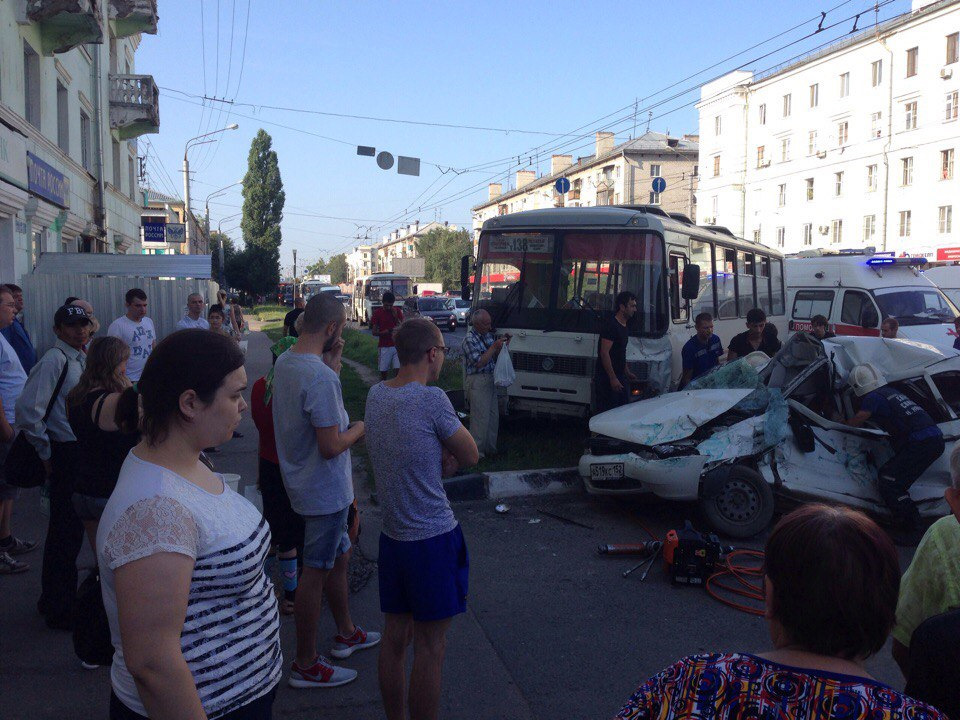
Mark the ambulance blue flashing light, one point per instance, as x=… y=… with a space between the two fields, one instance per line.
x=887 y=261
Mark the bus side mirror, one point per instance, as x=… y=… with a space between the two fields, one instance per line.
x=690 y=288
x=465 y=264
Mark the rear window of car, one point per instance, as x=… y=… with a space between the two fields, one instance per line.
x=808 y=303
x=429 y=304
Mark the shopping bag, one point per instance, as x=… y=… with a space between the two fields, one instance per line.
x=503 y=373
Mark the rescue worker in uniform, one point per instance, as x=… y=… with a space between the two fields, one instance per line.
x=917 y=441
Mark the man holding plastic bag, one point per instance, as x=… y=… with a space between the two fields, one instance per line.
x=480 y=359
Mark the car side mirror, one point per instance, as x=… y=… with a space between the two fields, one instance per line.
x=690 y=288
x=466 y=262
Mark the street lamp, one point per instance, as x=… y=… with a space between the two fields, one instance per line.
x=186 y=175
x=220 y=233
x=206 y=214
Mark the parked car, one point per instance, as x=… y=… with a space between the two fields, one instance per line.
x=460 y=308
x=432 y=308
x=759 y=428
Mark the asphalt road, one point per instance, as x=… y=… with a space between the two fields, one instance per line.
x=552 y=629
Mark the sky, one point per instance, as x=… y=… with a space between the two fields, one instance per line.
x=541 y=77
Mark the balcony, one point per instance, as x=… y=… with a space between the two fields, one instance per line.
x=134 y=106
x=64 y=24
x=129 y=17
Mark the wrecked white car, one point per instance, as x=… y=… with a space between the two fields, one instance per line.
x=752 y=430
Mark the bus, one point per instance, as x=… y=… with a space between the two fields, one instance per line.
x=368 y=290
x=309 y=288
x=549 y=279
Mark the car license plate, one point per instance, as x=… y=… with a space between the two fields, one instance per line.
x=606 y=471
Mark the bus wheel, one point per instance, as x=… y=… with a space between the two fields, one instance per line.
x=738 y=503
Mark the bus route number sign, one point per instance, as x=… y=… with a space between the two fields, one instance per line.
x=531 y=244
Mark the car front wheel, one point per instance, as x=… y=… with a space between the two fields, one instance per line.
x=739 y=504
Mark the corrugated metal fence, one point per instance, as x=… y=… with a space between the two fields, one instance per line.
x=166 y=300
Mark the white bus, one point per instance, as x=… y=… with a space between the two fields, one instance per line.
x=368 y=290
x=309 y=288
x=549 y=278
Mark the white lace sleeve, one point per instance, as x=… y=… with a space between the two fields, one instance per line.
x=149 y=526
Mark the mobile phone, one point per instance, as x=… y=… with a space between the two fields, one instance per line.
x=328 y=345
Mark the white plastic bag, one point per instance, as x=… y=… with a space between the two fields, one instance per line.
x=503 y=373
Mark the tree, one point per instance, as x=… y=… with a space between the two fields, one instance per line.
x=442 y=248
x=263 y=200
x=337 y=267
x=317 y=268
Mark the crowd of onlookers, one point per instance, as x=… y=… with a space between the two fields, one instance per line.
x=193 y=619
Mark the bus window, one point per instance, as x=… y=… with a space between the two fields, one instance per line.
x=724 y=270
x=678 y=306
x=745 y=273
x=776 y=277
x=763 y=284
x=700 y=254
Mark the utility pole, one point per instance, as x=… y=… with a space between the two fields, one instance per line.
x=294 y=265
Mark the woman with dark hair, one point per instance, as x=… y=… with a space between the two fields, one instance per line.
x=832 y=577
x=102 y=445
x=192 y=615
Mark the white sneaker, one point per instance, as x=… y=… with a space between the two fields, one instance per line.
x=320 y=674
x=345 y=647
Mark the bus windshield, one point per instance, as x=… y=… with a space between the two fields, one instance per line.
x=568 y=281
x=915 y=306
x=400 y=287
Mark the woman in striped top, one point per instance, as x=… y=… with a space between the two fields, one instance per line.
x=193 y=617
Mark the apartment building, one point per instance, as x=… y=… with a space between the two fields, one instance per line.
x=612 y=175
x=402 y=243
x=71 y=108
x=853 y=146
x=361 y=262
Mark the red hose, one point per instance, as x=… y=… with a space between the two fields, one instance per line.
x=749 y=582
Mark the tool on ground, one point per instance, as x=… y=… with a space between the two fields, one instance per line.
x=641 y=548
x=653 y=550
x=691 y=557
x=749 y=577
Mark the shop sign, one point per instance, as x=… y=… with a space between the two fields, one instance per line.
x=47 y=182
x=13 y=157
x=948 y=254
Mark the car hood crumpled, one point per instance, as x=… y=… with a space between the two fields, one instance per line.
x=667 y=418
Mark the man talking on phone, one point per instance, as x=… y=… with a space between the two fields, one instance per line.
x=314 y=436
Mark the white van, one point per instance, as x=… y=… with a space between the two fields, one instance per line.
x=947 y=278
x=855 y=292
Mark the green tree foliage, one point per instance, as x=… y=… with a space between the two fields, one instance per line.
x=441 y=249
x=317 y=268
x=257 y=266
x=337 y=267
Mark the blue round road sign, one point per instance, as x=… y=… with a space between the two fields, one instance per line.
x=562 y=185
x=659 y=184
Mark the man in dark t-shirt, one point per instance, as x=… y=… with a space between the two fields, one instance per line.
x=754 y=338
x=702 y=352
x=290 y=319
x=612 y=373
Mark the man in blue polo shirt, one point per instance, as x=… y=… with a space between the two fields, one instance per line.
x=702 y=352
x=16 y=334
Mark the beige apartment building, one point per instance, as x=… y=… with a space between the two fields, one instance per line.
x=402 y=243
x=613 y=175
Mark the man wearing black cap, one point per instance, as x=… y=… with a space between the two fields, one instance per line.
x=56 y=445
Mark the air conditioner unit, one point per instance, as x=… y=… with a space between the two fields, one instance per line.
x=821 y=154
x=824 y=229
x=877 y=133
x=946 y=73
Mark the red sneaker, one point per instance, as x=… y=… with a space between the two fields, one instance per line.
x=320 y=674
x=345 y=647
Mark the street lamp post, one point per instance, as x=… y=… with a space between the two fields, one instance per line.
x=220 y=234
x=186 y=176
x=206 y=215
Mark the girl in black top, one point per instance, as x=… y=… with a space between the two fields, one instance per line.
x=92 y=408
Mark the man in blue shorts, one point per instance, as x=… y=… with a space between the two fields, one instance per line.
x=414 y=438
x=702 y=352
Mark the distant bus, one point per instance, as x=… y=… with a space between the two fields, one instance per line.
x=309 y=288
x=368 y=291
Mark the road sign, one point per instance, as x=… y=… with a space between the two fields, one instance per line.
x=411 y=267
x=562 y=185
x=659 y=184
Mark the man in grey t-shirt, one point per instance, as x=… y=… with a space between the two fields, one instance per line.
x=415 y=438
x=314 y=437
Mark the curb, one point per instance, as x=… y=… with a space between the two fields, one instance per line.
x=513 y=483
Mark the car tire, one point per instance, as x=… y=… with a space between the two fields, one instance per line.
x=740 y=504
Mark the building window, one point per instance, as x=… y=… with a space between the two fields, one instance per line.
x=906 y=177
x=843 y=133
x=717 y=126
x=781 y=236
x=787 y=104
x=952 y=48
x=654 y=198
x=715 y=204
x=760 y=151
x=116 y=164
x=63 y=119
x=912 y=61
x=876 y=72
x=946 y=164
x=809 y=184
x=784 y=149
x=763 y=114
x=869 y=227
x=655 y=171
x=952 y=105
x=814 y=95
x=807 y=234
x=131 y=178
x=876 y=129
x=905 y=223
x=575 y=192
x=812 y=142
x=716 y=165
x=31 y=85
x=781 y=195
x=836 y=232
x=844 y=84
x=756 y=235
x=910 y=115
x=85 y=141
x=946 y=219
x=871 y=178
x=838 y=184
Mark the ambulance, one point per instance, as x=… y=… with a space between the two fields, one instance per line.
x=857 y=290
